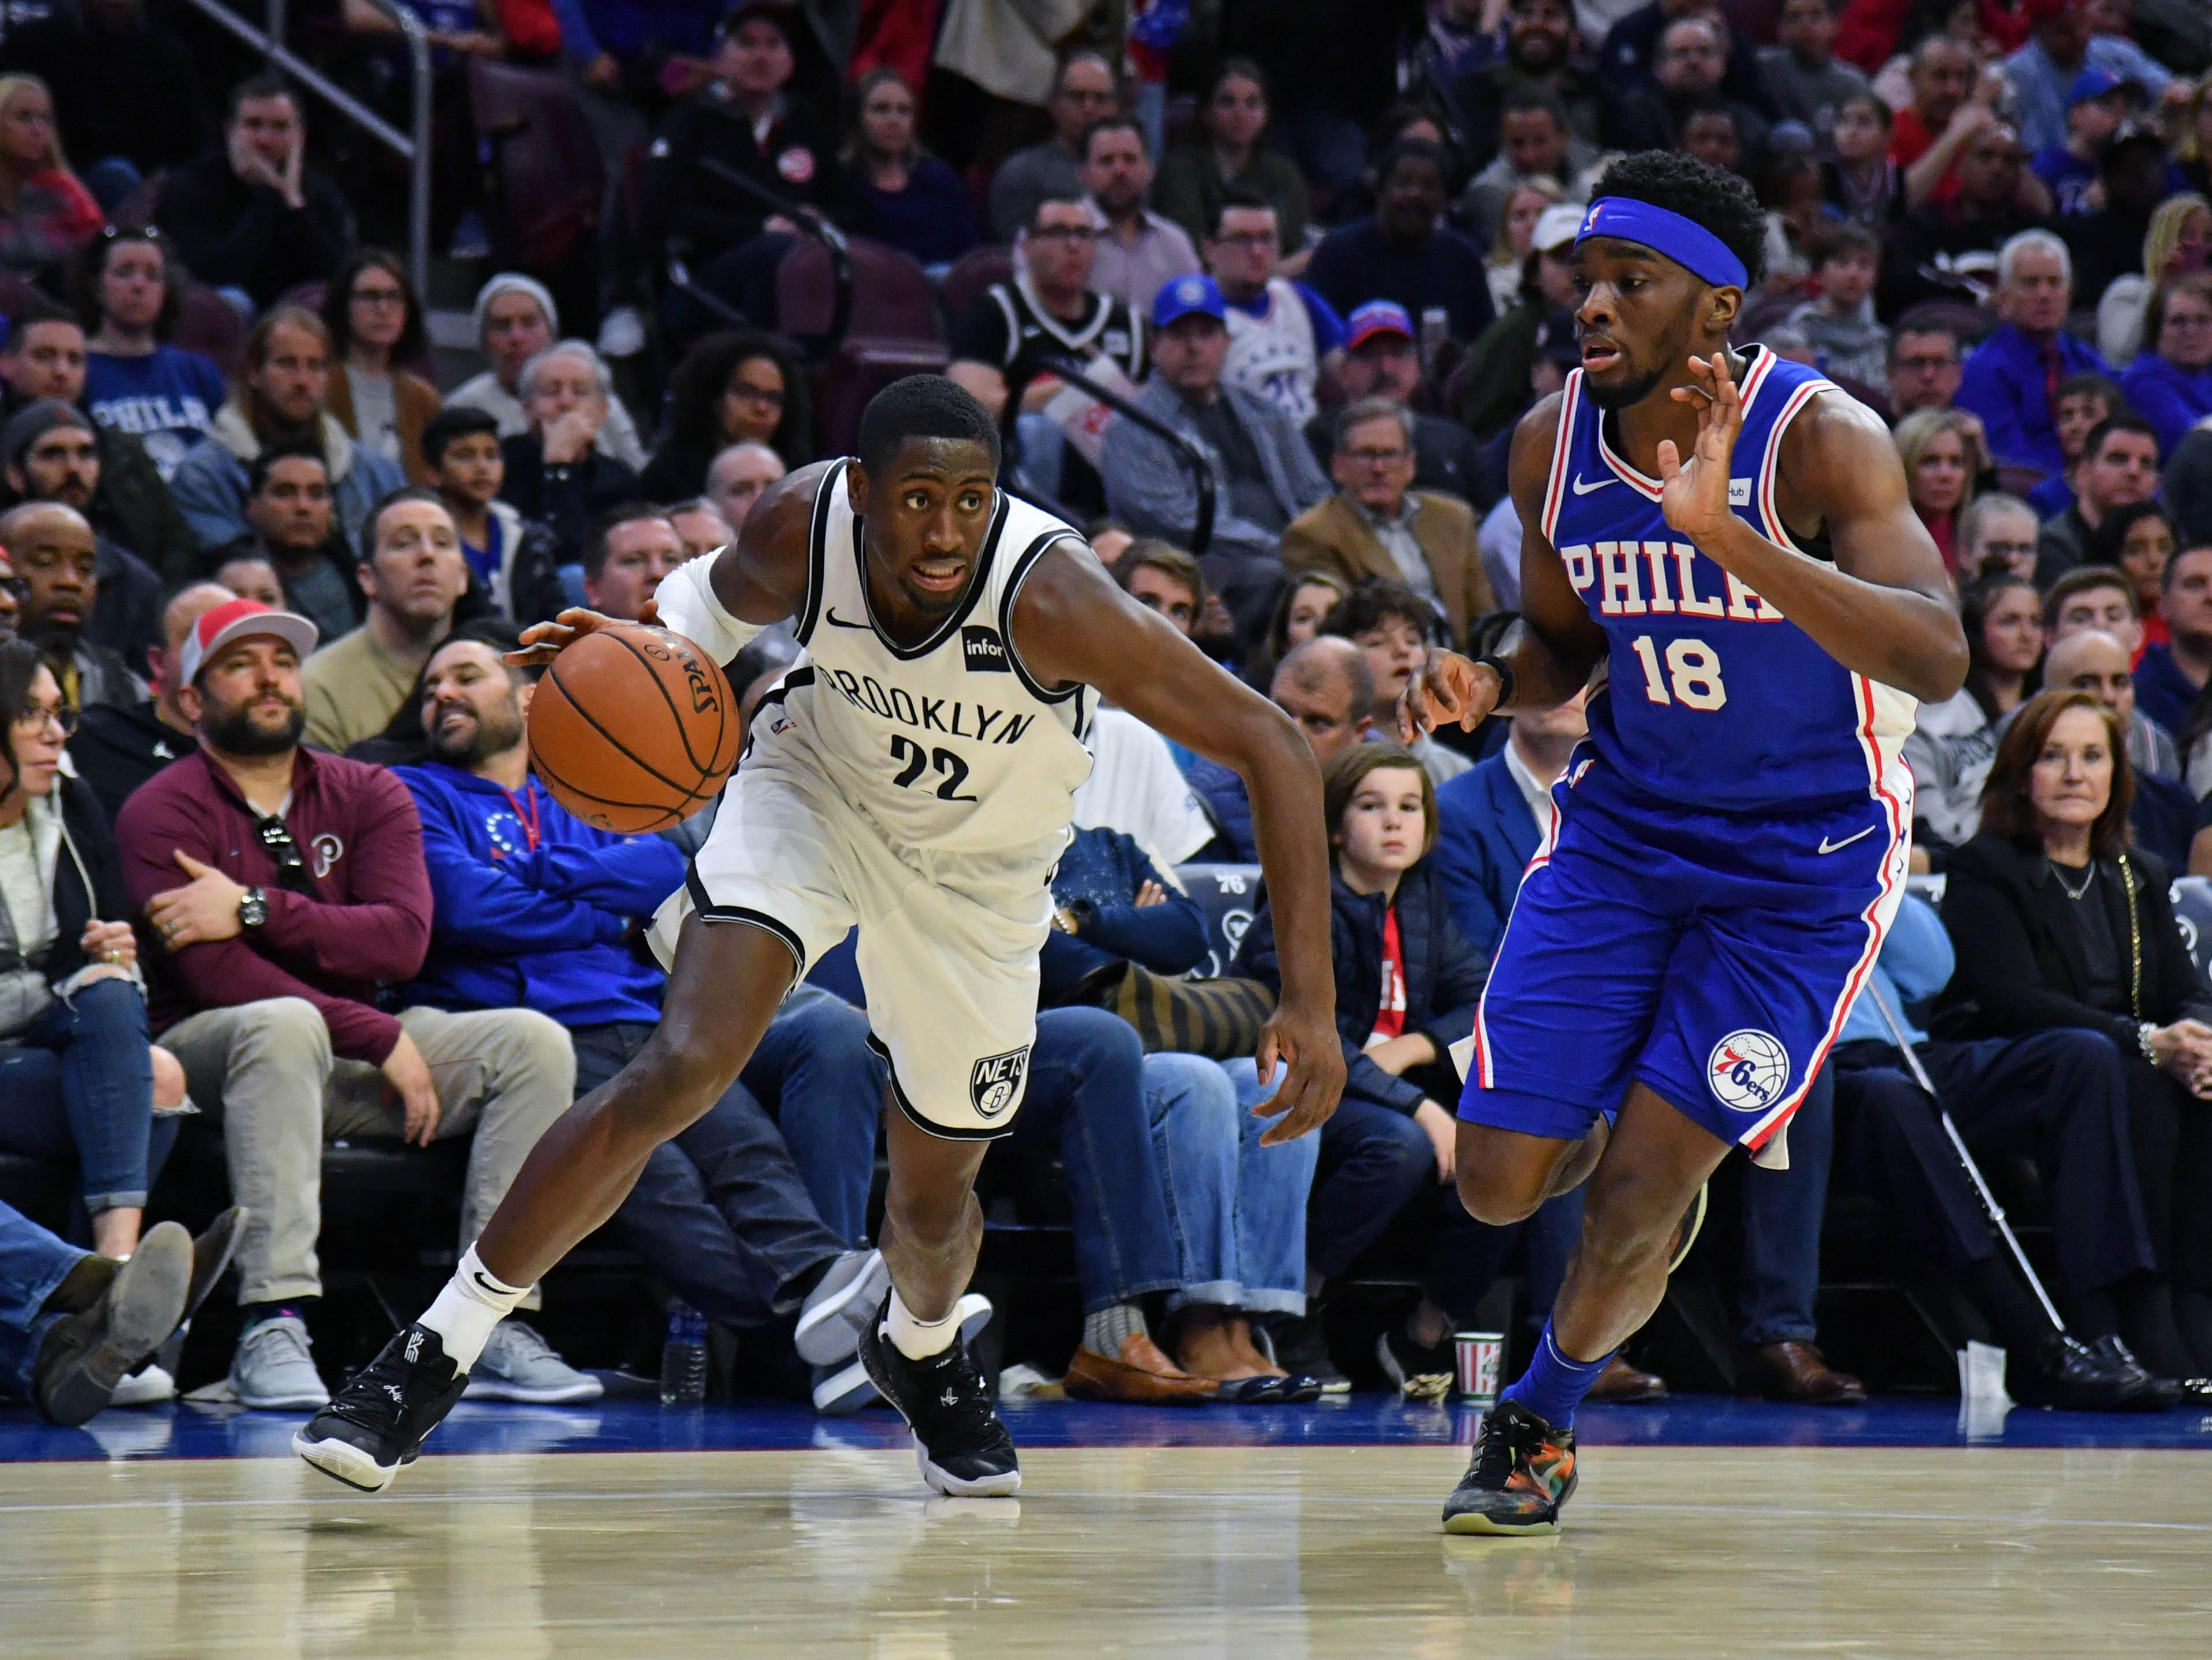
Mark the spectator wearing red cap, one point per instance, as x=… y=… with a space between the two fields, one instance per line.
x=280 y=887
x=1381 y=358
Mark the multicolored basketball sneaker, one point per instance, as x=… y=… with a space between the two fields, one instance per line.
x=1523 y=1471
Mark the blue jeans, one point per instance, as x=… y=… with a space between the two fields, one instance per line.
x=1239 y=1208
x=1087 y=1100
x=80 y=1085
x=1782 y=1212
x=726 y=1212
x=33 y=1262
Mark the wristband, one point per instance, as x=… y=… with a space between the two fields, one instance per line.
x=1504 y=671
x=2142 y=1036
x=689 y=606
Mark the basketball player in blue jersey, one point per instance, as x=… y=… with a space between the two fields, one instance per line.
x=909 y=777
x=1728 y=536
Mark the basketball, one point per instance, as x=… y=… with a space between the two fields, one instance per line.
x=632 y=730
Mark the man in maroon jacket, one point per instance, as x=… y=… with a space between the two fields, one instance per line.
x=280 y=886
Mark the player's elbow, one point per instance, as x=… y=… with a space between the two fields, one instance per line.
x=1942 y=670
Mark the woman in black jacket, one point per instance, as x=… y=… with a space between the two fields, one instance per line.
x=2059 y=923
x=78 y=1073
x=1407 y=987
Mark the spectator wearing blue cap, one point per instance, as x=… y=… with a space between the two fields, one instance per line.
x=2096 y=104
x=1404 y=252
x=2042 y=72
x=1264 y=476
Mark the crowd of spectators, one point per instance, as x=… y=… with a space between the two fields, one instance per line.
x=271 y=846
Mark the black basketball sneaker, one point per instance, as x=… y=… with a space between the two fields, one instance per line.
x=1523 y=1471
x=380 y=1420
x=964 y=1449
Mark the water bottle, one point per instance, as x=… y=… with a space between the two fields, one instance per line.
x=684 y=1357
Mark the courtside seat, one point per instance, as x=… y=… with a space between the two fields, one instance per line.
x=973 y=272
x=1230 y=896
x=2192 y=909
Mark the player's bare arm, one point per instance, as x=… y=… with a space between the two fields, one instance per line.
x=758 y=579
x=1883 y=610
x=1071 y=623
x=1552 y=649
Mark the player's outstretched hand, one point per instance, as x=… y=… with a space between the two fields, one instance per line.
x=1314 y=1073
x=542 y=641
x=1446 y=688
x=1694 y=494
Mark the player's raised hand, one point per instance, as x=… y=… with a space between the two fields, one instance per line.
x=1446 y=688
x=542 y=641
x=1693 y=496
x=1313 y=1078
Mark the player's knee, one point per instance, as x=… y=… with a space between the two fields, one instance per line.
x=1627 y=1222
x=1497 y=1194
x=667 y=1089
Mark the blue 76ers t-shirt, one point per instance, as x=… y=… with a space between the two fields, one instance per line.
x=168 y=399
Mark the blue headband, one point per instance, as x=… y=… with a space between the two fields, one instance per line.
x=1685 y=241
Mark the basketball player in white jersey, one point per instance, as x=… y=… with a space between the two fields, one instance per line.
x=911 y=775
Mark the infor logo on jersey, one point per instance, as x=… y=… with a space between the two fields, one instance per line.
x=983 y=651
x=997 y=1080
x=1748 y=1071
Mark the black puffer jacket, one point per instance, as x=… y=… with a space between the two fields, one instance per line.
x=1444 y=975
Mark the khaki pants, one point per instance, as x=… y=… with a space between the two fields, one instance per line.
x=262 y=1068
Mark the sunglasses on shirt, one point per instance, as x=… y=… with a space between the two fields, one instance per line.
x=292 y=873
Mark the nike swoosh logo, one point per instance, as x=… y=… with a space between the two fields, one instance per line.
x=1827 y=846
x=1583 y=489
x=836 y=622
x=477 y=1275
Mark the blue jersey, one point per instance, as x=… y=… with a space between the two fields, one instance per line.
x=1716 y=702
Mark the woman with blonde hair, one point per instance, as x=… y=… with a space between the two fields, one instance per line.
x=1942 y=450
x=1514 y=235
x=2179 y=240
x=45 y=212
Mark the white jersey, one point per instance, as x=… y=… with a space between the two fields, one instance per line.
x=1272 y=356
x=949 y=744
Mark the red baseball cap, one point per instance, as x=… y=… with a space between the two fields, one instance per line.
x=234 y=620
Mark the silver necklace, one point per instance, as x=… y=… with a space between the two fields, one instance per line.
x=2075 y=893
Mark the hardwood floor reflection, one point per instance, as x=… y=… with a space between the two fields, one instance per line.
x=1200 y=1552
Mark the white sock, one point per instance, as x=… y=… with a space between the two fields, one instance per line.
x=474 y=1301
x=920 y=1339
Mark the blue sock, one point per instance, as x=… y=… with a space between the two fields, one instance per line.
x=1554 y=1384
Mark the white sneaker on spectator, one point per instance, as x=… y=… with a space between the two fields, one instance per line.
x=837 y=1310
x=518 y=1365
x=274 y=1369
x=143 y=1387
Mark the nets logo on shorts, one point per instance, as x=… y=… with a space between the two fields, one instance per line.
x=1748 y=1071
x=997 y=1080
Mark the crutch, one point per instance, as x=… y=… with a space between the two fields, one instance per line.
x=1904 y=1041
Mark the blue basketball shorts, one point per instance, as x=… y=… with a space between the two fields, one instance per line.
x=1710 y=956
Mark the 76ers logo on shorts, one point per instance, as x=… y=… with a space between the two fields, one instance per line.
x=997 y=1080
x=1748 y=1071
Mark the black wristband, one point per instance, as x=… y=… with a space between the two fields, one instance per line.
x=1504 y=671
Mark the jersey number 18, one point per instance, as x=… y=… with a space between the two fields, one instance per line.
x=1692 y=670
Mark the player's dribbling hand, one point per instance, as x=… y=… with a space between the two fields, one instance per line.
x=1694 y=494
x=542 y=641
x=1313 y=1078
x=1446 y=688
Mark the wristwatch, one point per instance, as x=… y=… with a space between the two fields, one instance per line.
x=252 y=908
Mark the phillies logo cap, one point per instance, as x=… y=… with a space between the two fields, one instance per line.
x=235 y=619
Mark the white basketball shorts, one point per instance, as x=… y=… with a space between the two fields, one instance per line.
x=949 y=942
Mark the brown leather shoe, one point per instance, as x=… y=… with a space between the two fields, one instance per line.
x=1620 y=1384
x=1143 y=1376
x=1794 y=1371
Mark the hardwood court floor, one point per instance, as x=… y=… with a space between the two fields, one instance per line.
x=1276 y=1551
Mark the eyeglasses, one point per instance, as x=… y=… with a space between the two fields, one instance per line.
x=35 y=720
x=292 y=874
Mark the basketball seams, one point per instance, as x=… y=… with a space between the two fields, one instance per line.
x=622 y=638
x=709 y=775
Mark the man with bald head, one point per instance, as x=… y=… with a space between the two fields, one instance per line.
x=736 y=478
x=2092 y=660
x=118 y=746
x=56 y=563
x=1326 y=687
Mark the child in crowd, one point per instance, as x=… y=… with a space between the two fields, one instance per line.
x=1862 y=183
x=2084 y=401
x=2096 y=104
x=1839 y=325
